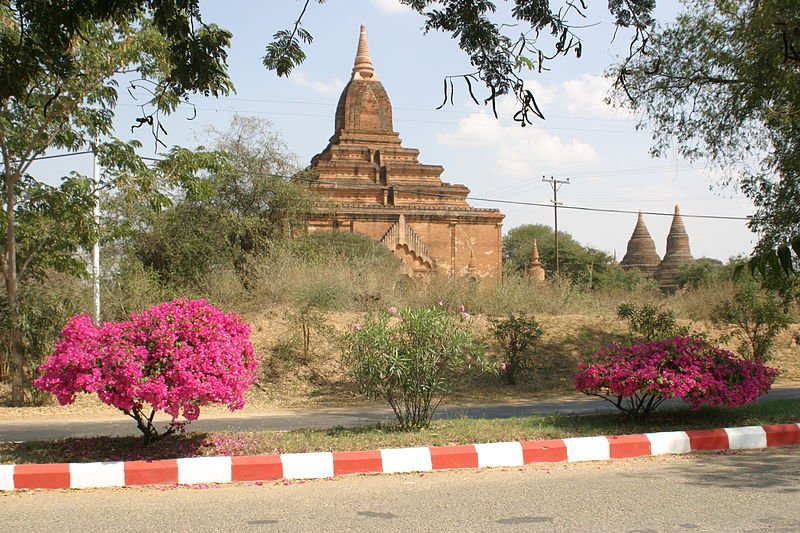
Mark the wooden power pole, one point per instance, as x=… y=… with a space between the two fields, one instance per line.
x=556 y=185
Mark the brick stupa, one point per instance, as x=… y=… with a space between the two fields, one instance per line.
x=641 y=254
x=535 y=269
x=374 y=186
x=677 y=253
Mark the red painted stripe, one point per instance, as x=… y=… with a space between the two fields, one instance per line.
x=708 y=439
x=49 y=476
x=622 y=446
x=454 y=457
x=256 y=467
x=357 y=462
x=544 y=451
x=164 y=471
x=782 y=434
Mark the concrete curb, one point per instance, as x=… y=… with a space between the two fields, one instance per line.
x=313 y=465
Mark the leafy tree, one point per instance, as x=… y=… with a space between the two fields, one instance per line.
x=757 y=316
x=237 y=211
x=578 y=263
x=67 y=102
x=703 y=272
x=723 y=83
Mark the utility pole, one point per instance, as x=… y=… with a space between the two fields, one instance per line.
x=96 y=247
x=556 y=185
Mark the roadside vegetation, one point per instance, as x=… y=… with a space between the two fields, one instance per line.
x=439 y=433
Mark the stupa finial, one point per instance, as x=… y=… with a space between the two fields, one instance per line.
x=362 y=68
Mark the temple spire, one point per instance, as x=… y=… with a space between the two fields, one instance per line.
x=535 y=270
x=362 y=68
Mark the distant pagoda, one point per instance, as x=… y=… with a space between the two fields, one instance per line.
x=641 y=254
x=678 y=252
x=535 y=270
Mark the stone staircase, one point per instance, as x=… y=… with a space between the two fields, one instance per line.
x=401 y=234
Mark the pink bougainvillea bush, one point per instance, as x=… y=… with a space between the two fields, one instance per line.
x=174 y=357
x=638 y=378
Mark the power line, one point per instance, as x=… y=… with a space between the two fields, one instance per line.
x=480 y=199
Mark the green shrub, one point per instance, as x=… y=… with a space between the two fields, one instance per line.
x=413 y=361
x=757 y=316
x=517 y=335
x=647 y=323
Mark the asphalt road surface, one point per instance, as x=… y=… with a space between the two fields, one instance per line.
x=40 y=428
x=747 y=491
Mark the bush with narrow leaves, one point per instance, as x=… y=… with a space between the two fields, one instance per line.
x=517 y=334
x=638 y=378
x=412 y=358
x=174 y=357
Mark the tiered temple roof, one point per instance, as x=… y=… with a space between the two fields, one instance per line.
x=641 y=253
x=375 y=186
x=678 y=252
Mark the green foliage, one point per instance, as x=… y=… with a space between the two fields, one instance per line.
x=704 y=272
x=757 y=316
x=647 y=323
x=38 y=40
x=411 y=363
x=517 y=334
x=44 y=307
x=237 y=210
x=311 y=303
x=722 y=83
x=61 y=93
x=580 y=264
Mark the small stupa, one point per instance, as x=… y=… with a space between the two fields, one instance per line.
x=641 y=253
x=678 y=252
x=535 y=270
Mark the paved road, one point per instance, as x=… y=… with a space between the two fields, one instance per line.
x=48 y=428
x=753 y=491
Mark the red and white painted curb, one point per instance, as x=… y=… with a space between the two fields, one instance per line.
x=393 y=460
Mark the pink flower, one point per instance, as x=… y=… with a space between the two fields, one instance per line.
x=392 y=310
x=461 y=308
x=356 y=327
x=174 y=357
x=465 y=315
x=503 y=366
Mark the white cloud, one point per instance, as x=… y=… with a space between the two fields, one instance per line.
x=533 y=151
x=389 y=6
x=584 y=97
x=519 y=151
x=478 y=129
x=333 y=87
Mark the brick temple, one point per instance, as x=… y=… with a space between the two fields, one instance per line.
x=370 y=184
x=642 y=256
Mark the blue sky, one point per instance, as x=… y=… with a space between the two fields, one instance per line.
x=597 y=147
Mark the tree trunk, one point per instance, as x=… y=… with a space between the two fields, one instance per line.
x=17 y=357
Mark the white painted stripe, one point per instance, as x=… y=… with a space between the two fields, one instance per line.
x=406 y=460
x=204 y=470
x=307 y=465
x=587 y=449
x=85 y=475
x=666 y=442
x=499 y=454
x=746 y=437
x=6 y=477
